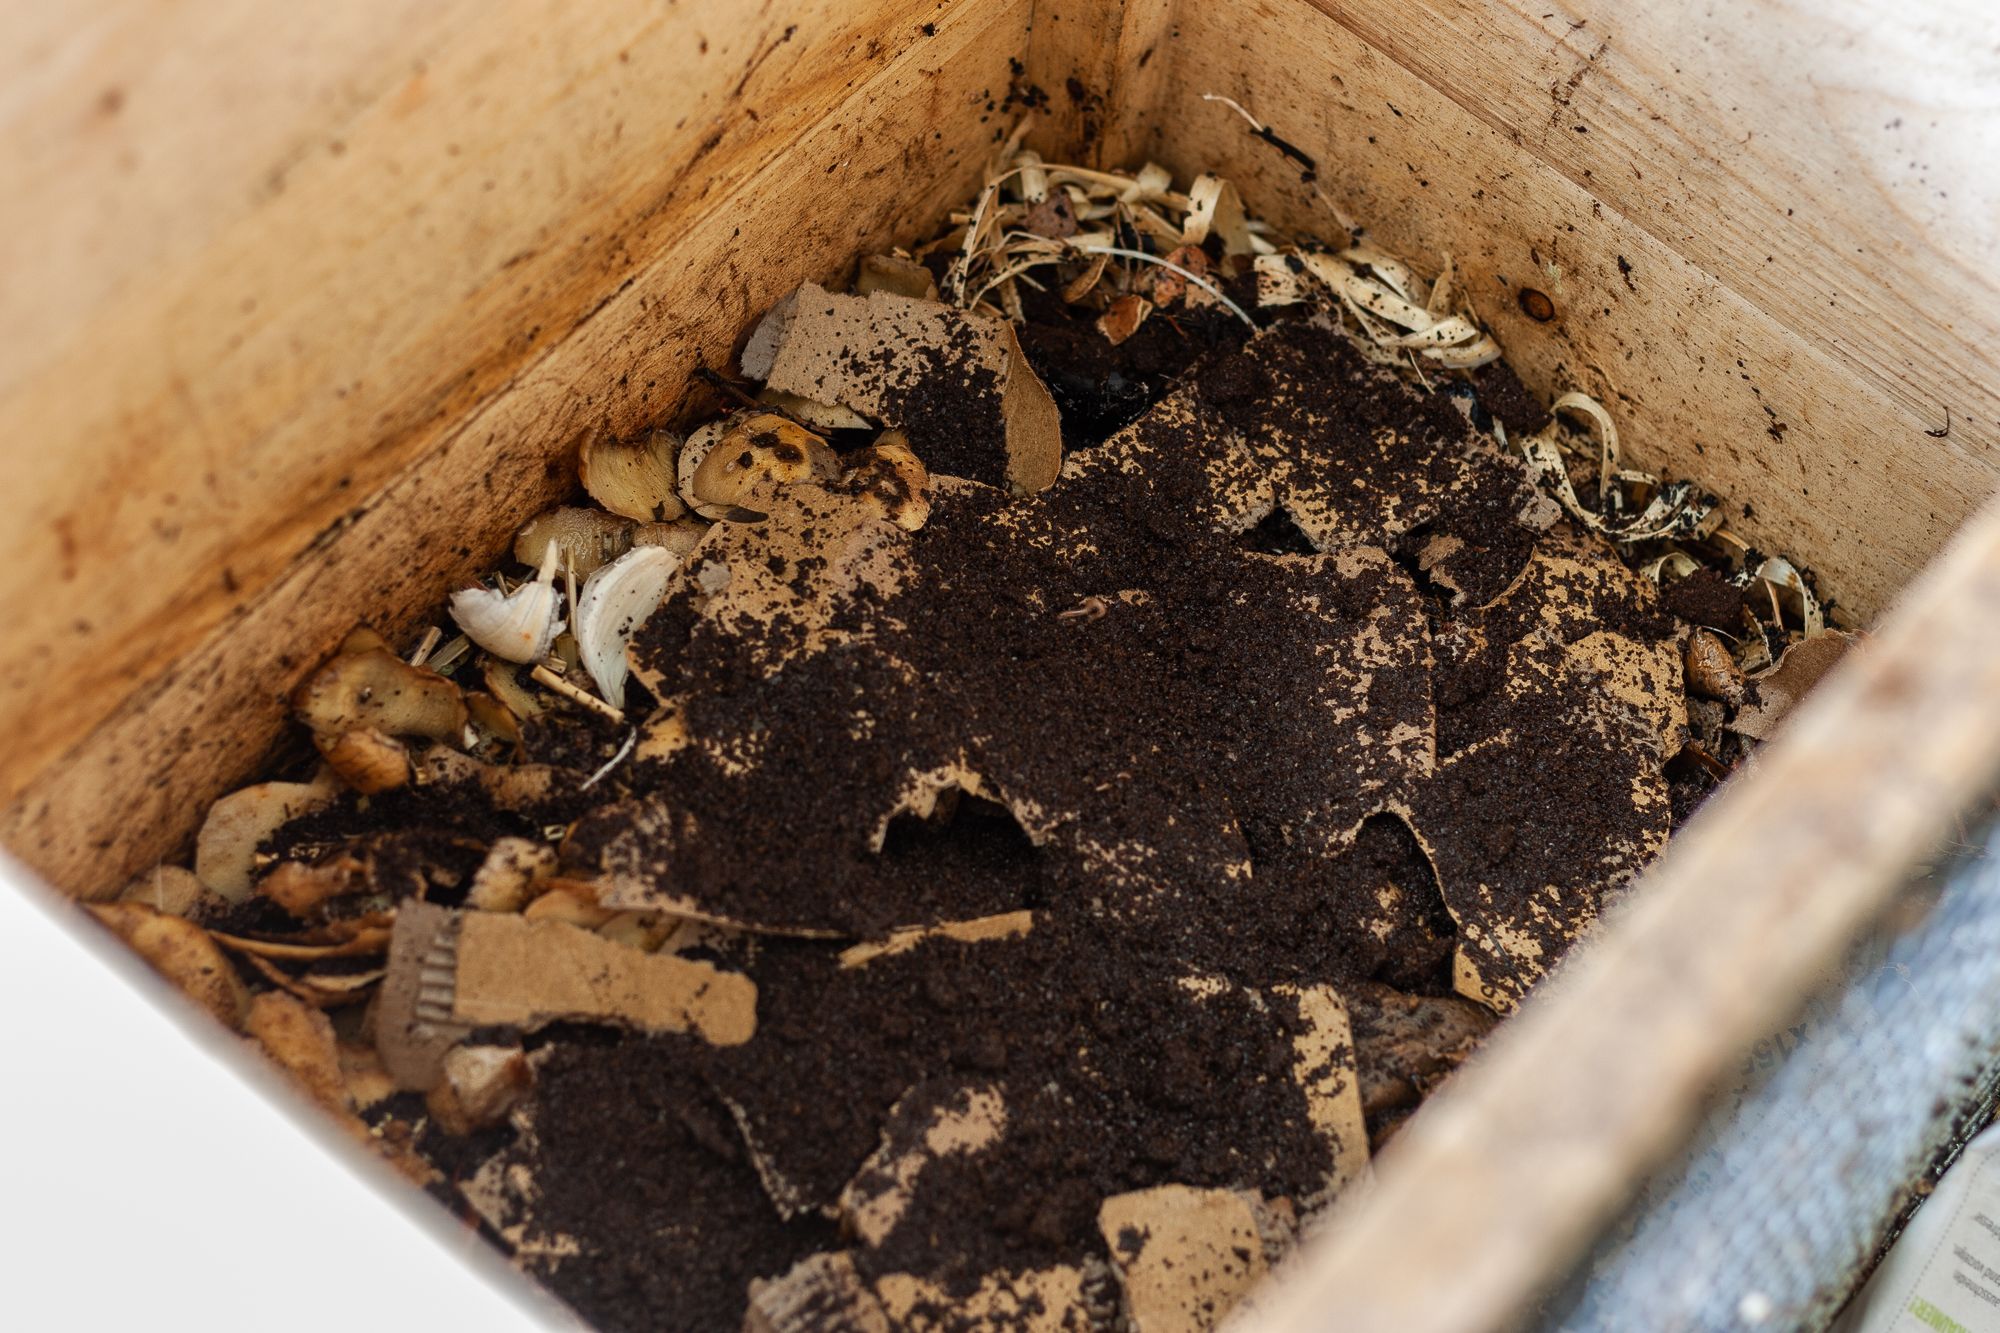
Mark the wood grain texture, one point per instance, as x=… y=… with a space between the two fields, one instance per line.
x=1102 y=64
x=1814 y=459
x=326 y=304
x=1829 y=160
x=898 y=151
x=1510 y=1171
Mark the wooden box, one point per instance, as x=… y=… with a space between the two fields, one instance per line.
x=308 y=308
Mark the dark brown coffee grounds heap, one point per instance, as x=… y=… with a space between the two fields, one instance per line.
x=1290 y=688
x=1187 y=756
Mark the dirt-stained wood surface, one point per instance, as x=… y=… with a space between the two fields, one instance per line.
x=307 y=311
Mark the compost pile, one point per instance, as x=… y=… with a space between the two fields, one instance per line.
x=993 y=828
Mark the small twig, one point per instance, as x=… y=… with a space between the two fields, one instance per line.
x=1197 y=280
x=569 y=583
x=1714 y=767
x=545 y=677
x=613 y=762
x=447 y=656
x=1092 y=608
x=716 y=381
x=422 y=655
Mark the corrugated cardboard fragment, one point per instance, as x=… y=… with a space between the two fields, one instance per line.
x=875 y=353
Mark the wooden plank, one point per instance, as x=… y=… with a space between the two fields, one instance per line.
x=1699 y=377
x=1830 y=163
x=1509 y=1173
x=897 y=151
x=459 y=188
x=1095 y=60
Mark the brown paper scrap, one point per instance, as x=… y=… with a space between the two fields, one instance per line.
x=1781 y=687
x=1185 y=1256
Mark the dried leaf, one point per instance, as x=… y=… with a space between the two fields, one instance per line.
x=367 y=759
x=1711 y=672
x=508 y=877
x=300 y=1038
x=379 y=690
x=638 y=479
x=171 y=891
x=302 y=889
x=899 y=277
x=583 y=539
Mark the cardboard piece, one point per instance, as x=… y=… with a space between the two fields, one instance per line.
x=1006 y=926
x=1047 y=1300
x=1781 y=687
x=821 y=1293
x=450 y=972
x=920 y=1130
x=1325 y=1069
x=1184 y=1256
x=872 y=352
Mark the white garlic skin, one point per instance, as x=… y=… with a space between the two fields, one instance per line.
x=522 y=626
x=614 y=603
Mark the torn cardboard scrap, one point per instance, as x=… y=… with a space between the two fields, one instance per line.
x=820 y=1294
x=956 y=384
x=1006 y=926
x=1183 y=1255
x=1781 y=687
x=450 y=972
x=1047 y=1300
x=922 y=1128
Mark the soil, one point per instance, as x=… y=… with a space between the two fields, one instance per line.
x=1705 y=598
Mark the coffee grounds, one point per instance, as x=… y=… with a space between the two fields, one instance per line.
x=1101 y=388
x=637 y=1162
x=1358 y=457
x=1207 y=696
x=1501 y=392
x=1705 y=598
x=949 y=407
x=1195 y=681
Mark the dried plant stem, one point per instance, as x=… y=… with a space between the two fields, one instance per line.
x=422 y=655
x=550 y=680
